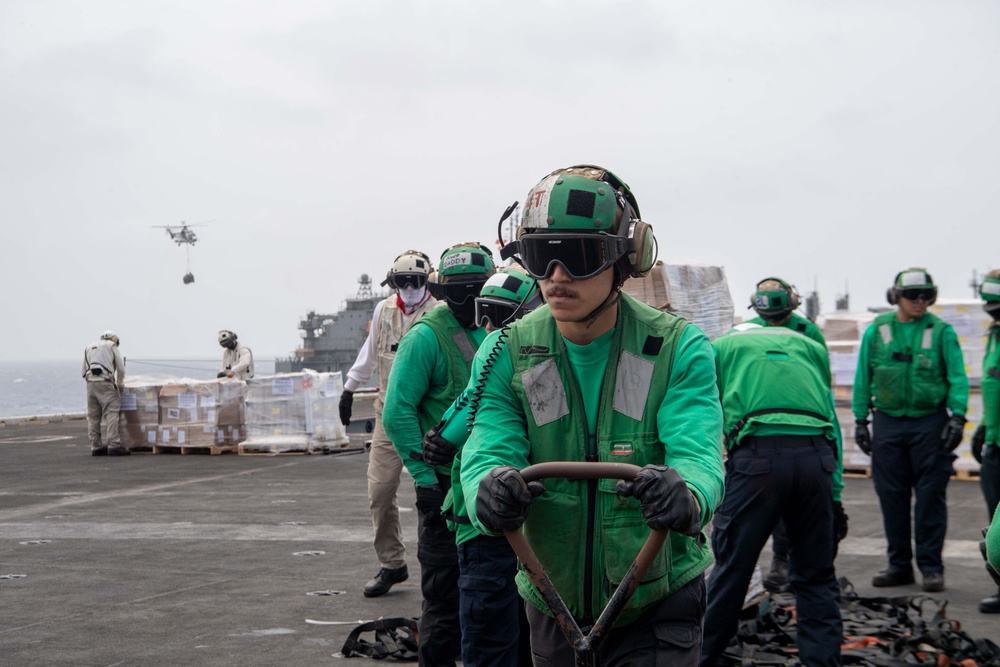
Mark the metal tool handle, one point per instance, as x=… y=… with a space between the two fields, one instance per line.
x=584 y=646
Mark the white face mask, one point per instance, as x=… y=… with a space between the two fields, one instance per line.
x=412 y=296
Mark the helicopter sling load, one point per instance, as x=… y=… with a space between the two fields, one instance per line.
x=183 y=235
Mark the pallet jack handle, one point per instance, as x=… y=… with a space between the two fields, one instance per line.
x=584 y=646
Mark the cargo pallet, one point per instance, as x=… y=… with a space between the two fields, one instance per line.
x=212 y=450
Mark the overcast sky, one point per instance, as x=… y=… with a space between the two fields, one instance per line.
x=828 y=143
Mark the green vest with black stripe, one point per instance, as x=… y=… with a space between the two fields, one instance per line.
x=584 y=534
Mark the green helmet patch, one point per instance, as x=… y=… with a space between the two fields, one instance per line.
x=570 y=202
x=465 y=259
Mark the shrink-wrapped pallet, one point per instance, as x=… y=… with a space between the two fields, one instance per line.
x=293 y=412
x=697 y=292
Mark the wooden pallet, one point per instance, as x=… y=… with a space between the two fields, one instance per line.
x=273 y=450
x=212 y=450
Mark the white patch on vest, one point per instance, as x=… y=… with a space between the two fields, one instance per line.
x=886 y=332
x=546 y=395
x=464 y=346
x=632 y=381
x=925 y=342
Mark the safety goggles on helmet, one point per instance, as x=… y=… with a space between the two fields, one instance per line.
x=495 y=312
x=458 y=292
x=918 y=293
x=582 y=256
x=414 y=280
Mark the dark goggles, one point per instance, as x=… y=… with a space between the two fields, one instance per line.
x=458 y=293
x=918 y=294
x=414 y=280
x=494 y=312
x=582 y=256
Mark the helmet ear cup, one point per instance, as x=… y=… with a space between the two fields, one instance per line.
x=641 y=255
x=891 y=296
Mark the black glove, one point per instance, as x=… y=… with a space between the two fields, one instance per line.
x=221 y=374
x=862 y=436
x=503 y=499
x=978 y=440
x=437 y=451
x=429 y=501
x=839 y=521
x=953 y=431
x=667 y=503
x=346 y=402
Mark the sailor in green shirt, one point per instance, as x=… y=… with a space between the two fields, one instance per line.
x=775 y=302
x=431 y=369
x=784 y=447
x=595 y=375
x=986 y=439
x=489 y=607
x=911 y=378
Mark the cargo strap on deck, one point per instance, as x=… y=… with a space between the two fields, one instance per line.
x=878 y=632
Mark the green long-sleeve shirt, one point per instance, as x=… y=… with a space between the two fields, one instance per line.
x=420 y=367
x=765 y=369
x=909 y=334
x=993 y=542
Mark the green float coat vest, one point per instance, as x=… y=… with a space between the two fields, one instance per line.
x=908 y=375
x=585 y=534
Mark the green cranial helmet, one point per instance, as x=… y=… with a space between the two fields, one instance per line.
x=465 y=260
x=510 y=284
x=508 y=295
x=583 y=198
x=774 y=298
x=585 y=219
x=990 y=291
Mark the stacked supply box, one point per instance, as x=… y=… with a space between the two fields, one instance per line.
x=293 y=412
x=697 y=292
x=201 y=414
x=140 y=412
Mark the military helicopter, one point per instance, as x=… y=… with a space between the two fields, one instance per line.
x=182 y=235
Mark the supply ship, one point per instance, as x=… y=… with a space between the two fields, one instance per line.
x=330 y=343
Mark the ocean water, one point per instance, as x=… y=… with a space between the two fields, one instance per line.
x=32 y=388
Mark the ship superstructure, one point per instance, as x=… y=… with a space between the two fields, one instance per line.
x=330 y=343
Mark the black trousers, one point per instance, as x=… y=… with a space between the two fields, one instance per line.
x=770 y=478
x=667 y=634
x=911 y=464
x=440 y=631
